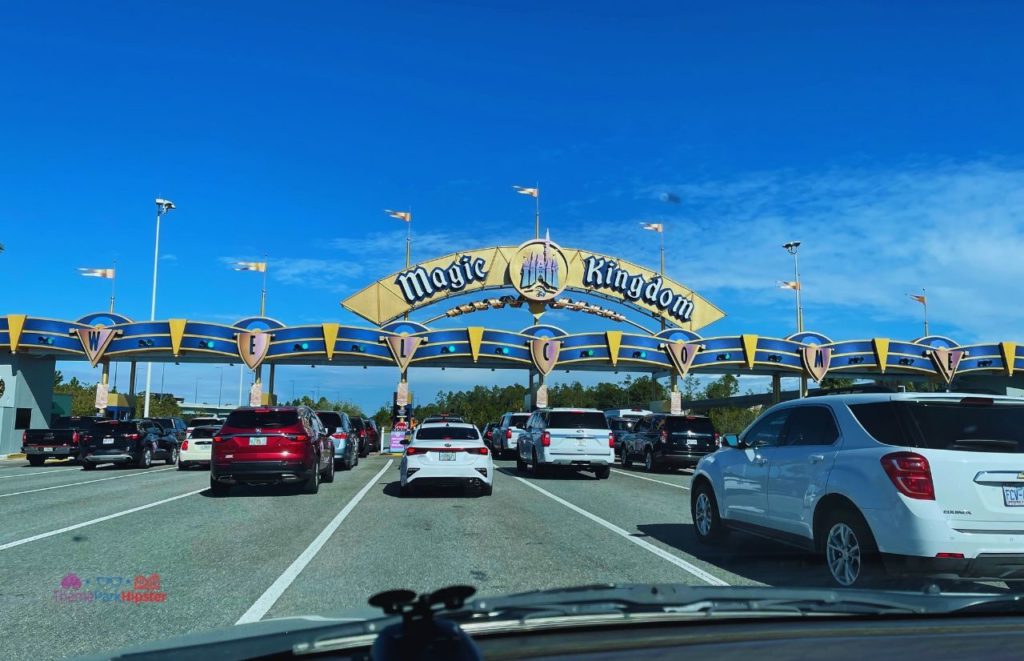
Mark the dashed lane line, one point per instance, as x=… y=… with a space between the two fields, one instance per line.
x=76 y=484
x=661 y=553
x=641 y=477
x=274 y=592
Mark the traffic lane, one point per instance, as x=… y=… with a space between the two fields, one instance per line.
x=214 y=557
x=513 y=541
x=677 y=477
x=86 y=496
x=657 y=508
x=16 y=468
x=45 y=477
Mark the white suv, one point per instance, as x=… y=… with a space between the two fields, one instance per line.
x=570 y=438
x=927 y=484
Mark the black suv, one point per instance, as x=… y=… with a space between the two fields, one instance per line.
x=662 y=440
x=136 y=442
x=176 y=426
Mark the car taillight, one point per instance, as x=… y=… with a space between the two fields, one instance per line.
x=545 y=439
x=24 y=436
x=411 y=450
x=362 y=433
x=218 y=439
x=74 y=437
x=611 y=440
x=508 y=434
x=301 y=438
x=184 y=444
x=664 y=436
x=717 y=441
x=132 y=437
x=339 y=435
x=910 y=474
x=483 y=451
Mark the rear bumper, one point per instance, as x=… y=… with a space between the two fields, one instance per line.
x=987 y=566
x=112 y=458
x=681 y=458
x=50 y=451
x=581 y=460
x=194 y=456
x=447 y=474
x=239 y=472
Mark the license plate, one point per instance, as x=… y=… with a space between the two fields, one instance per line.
x=257 y=440
x=108 y=441
x=1013 y=496
x=446 y=456
x=47 y=449
x=581 y=442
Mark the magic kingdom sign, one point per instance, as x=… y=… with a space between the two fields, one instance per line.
x=539 y=270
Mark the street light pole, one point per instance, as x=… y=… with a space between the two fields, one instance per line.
x=162 y=207
x=792 y=247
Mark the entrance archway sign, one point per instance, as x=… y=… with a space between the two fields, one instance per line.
x=539 y=270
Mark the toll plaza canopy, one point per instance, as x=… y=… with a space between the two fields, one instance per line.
x=534 y=275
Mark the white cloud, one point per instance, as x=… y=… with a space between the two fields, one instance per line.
x=869 y=238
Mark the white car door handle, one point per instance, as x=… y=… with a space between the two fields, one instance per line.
x=816 y=458
x=760 y=461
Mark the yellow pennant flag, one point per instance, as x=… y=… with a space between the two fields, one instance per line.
x=404 y=216
x=532 y=192
x=97 y=273
x=919 y=298
x=251 y=266
x=787 y=284
x=654 y=227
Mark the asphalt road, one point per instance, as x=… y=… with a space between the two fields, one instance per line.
x=266 y=552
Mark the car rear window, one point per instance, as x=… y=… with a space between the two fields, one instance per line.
x=447 y=433
x=330 y=419
x=971 y=425
x=199 y=422
x=577 y=420
x=518 y=421
x=262 y=419
x=681 y=425
x=622 y=424
x=203 y=432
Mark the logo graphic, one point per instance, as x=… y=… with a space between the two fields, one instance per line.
x=71 y=582
x=403 y=348
x=538 y=270
x=253 y=347
x=3 y=387
x=816 y=361
x=544 y=351
x=95 y=341
x=946 y=362
x=681 y=354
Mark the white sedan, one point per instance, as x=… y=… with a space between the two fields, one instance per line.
x=447 y=454
x=197 y=447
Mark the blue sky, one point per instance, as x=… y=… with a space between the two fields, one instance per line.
x=884 y=135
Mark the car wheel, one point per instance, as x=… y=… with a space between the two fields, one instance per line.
x=312 y=485
x=538 y=468
x=219 y=488
x=602 y=472
x=88 y=466
x=627 y=461
x=704 y=511
x=521 y=465
x=328 y=476
x=145 y=459
x=364 y=450
x=173 y=457
x=850 y=552
x=649 y=465
x=36 y=461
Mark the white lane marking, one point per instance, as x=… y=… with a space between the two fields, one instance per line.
x=58 y=470
x=641 y=477
x=75 y=484
x=274 y=592
x=9 y=545
x=661 y=553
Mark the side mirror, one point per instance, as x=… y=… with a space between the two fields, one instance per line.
x=732 y=441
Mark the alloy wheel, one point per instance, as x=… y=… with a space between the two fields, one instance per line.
x=702 y=514
x=843 y=554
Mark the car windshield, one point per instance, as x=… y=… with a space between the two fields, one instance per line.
x=263 y=419
x=973 y=425
x=708 y=299
x=577 y=420
x=445 y=433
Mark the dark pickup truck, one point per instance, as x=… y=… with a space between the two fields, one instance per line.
x=133 y=442
x=63 y=441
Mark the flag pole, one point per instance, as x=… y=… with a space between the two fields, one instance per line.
x=263 y=294
x=537 y=215
x=925 y=297
x=113 y=285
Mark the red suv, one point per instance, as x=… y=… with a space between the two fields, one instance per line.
x=271 y=445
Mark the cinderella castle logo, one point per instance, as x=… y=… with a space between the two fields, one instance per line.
x=540 y=269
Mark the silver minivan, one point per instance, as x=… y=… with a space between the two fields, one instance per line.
x=569 y=438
